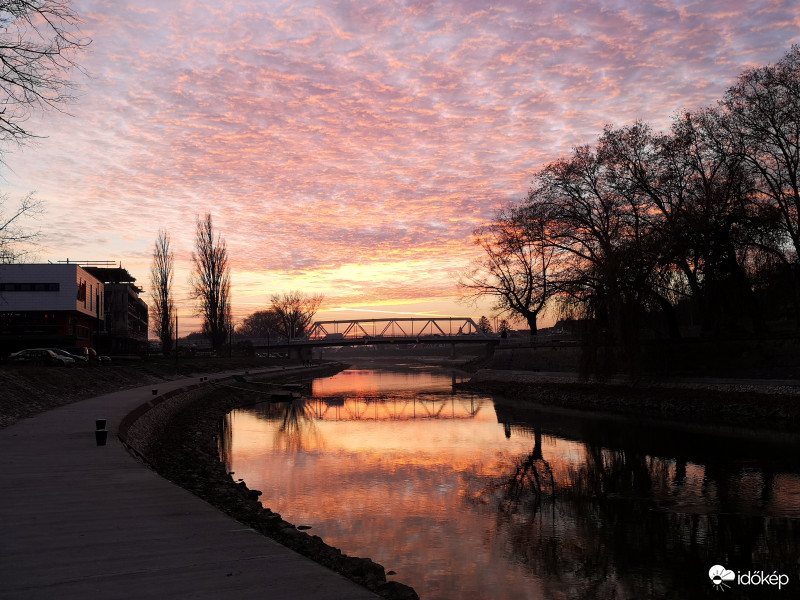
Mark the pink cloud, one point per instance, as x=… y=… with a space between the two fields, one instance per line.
x=326 y=134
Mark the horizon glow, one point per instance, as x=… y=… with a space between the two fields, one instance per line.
x=350 y=148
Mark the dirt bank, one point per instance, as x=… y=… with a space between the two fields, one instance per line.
x=742 y=403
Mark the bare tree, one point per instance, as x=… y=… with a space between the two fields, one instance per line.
x=15 y=239
x=515 y=268
x=162 y=309
x=37 y=52
x=38 y=45
x=261 y=324
x=295 y=311
x=763 y=120
x=211 y=283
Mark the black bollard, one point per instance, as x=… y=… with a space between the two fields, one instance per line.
x=100 y=437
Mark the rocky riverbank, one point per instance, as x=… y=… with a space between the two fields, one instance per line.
x=179 y=439
x=770 y=405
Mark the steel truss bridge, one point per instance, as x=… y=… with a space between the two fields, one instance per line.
x=403 y=409
x=388 y=331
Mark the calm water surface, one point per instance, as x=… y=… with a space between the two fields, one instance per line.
x=465 y=496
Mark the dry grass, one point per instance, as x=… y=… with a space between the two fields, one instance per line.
x=27 y=391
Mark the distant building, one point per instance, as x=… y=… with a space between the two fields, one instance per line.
x=126 y=315
x=49 y=305
x=565 y=329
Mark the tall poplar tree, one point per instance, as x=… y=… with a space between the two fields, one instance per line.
x=162 y=309
x=211 y=283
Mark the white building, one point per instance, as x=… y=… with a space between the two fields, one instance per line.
x=49 y=305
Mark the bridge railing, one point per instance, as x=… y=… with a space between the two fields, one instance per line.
x=409 y=328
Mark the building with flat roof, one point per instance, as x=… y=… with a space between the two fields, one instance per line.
x=126 y=314
x=49 y=305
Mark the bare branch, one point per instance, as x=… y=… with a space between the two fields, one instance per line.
x=38 y=47
x=16 y=241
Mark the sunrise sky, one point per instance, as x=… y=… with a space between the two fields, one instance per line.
x=350 y=148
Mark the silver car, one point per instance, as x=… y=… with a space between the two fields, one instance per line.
x=41 y=356
x=80 y=361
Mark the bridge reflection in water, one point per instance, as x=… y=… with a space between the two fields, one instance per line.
x=385 y=396
x=471 y=497
x=378 y=408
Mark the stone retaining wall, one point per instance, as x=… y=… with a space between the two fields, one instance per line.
x=157 y=432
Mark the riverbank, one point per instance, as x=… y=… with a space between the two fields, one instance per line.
x=179 y=439
x=763 y=404
x=26 y=391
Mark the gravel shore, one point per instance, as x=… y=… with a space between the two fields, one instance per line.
x=179 y=439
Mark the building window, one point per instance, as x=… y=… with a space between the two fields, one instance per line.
x=30 y=287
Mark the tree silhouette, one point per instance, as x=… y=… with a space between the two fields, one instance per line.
x=15 y=239
x=763 y=122
x=262 y=323
x=38 y=46
x=295 y=310
x=484 y=325
x=162 y=310
x=211 y=283
x=515 y=266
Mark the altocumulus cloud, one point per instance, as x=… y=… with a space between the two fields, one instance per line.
x=323 y=135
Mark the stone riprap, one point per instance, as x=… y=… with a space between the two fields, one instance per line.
x=177 y=437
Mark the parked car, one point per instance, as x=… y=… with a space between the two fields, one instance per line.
x=88 y=353
x=41 y=356
x=80 y=361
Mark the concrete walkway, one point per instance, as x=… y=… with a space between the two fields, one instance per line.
x=79 y=520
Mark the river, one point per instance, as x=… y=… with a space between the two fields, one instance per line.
x=463 y=495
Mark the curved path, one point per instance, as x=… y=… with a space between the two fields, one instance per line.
x=79 y=520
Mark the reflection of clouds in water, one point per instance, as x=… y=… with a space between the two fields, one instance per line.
x=566 y=506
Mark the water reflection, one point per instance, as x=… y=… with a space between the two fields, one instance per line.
x=467 y=497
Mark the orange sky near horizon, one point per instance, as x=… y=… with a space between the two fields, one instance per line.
x=350 y=148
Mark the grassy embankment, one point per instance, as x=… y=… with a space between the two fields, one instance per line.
x=29 y=390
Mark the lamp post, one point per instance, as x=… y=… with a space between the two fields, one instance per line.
x=176 y=341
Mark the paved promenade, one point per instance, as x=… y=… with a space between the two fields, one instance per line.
x=89 y=522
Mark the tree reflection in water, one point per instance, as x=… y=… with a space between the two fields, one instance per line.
x=520 y=502
x=617 y=526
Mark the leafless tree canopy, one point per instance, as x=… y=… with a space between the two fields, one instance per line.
x=295 y=311
x=515 y=266
x=261 y=324
x=695 y=230
x=38 y=46
x=211 y=283
x=162 y=308
x=15 y=239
